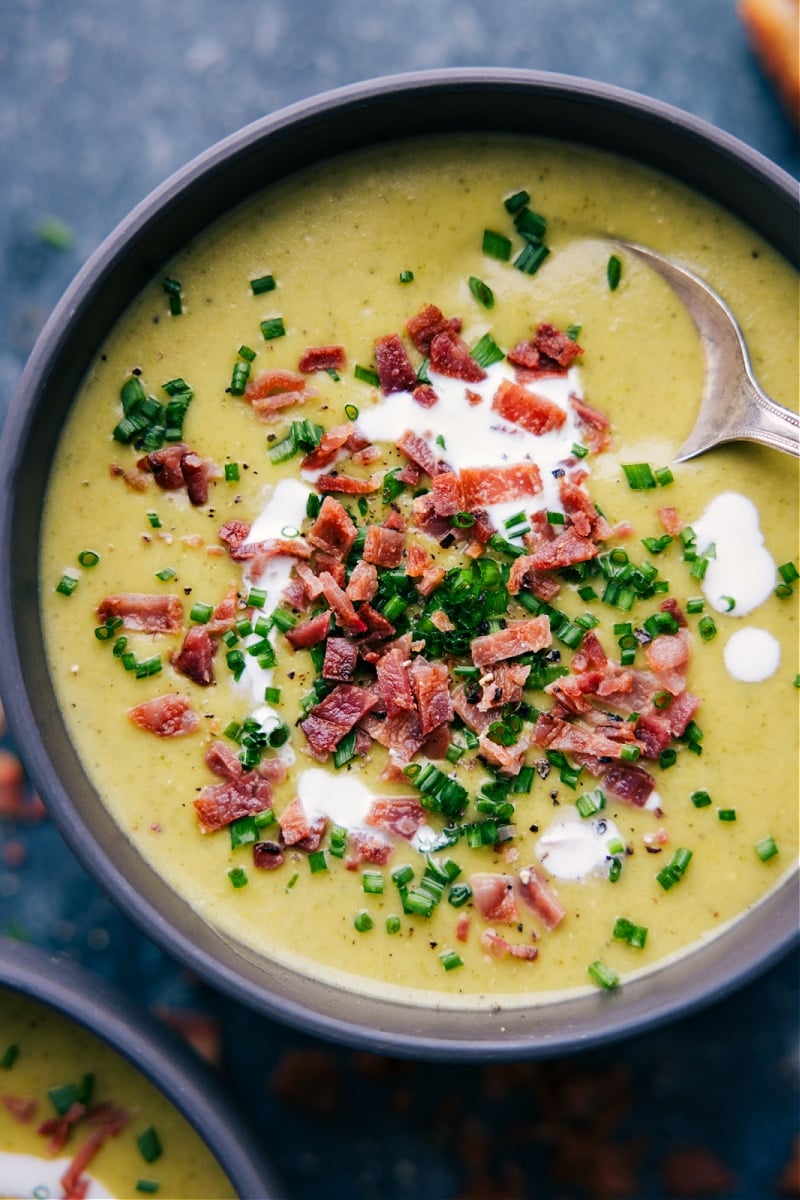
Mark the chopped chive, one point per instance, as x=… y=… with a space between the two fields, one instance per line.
x=603 y=976
x=531 y=257
x=531 y=225
x=613 y=272
x=695 y=604
x=149 y=1144
x=496 y=245
x=247 y=353
x=766 y=848
x=516 y=201
x=238 y=878
x=201 y=612
x=150 y=1186
x=166 y=573
x=700 y=798
x=663 y=476
x=481 y=291
x=363 y=921
x=239 y=377
x=573 y=332
x=148 y=667
x=351 y=412
x=788 y=572
x=292 y=882
x=346 y=750
x=639 y=476
x=450 y=960
x=578 y=450
x=372 y=883
x=393 y=924
x=366 y=375
x=486 y=351
x=174 y=293
x=272 y=695
x=317 y=861
x=707 y=628
x=231 y=472
x=615 y=870
x=256 y=598
x=273 y=328
x=67 y=584
x=242 y=832
x=154 y=519
x=726 y=814
x=459 y=894
x=88 y=558
x=264 y=283
x=406 y=276
x=63 y=1097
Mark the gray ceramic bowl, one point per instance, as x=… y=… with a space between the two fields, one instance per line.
x=159 y=1054
x=458 y=100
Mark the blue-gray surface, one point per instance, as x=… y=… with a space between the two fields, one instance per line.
x=99 y=101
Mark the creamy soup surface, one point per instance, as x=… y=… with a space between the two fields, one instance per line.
x=481 y=769
x=75 y=1113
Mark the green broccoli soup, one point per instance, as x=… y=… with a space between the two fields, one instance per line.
x=423 y=668
x=77 y=1120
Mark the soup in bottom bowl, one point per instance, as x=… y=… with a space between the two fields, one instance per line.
x=78 y=1120
x=423 y=669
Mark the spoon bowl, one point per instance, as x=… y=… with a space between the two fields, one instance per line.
x=733 y=406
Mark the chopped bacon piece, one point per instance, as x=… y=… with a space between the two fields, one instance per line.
x=557 y=734
x=590 y=656
x=563 y=551
x=223 y=761
x=668 y=656
x=671 y=606
x=420 y=452
x=322 y=358
x=494 y=897
x=165 y=465
x=197 y=474
x=539 y=895
x=310 y=632
x=401 y=815
x=440 y=619
x=423 y=327
x=670 y=521
x=330 y=444
x=394 y=367
x=402 y=735
x=57 y=1129
x=425 y=517
x=170 y=715
x=418 y=560
x=341 y=659
x=234 y=534
x=383 y=547
x=329 y=721
x=363 y=581
x=378 y=627
x=628 y=782
x=508 y=759
x=150 y=614
x=327 y=562
x=584 y=517
x=430 y=683
x=410 y=475
x=524 y=574
x=267 y=855
x=21 y=1108
x=449 y=355
x=519 y=637
x=431 y=580
x=195 y=658
x=311 y=584
x=500 y=947
x=474 y=718
x=347 y=485
x=595 y=423
x=275 y=389
x=394 y=683
x=555 y=345
x=224 y=615
x=370 y=848
x=503 y=684
x=298 y=830
x=341 y=604
x=480 y=487
x=333 y=531
x=524 y=408
x=462 y=926
x=221 y=803
x=425 y=395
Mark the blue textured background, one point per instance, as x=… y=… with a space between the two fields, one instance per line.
x=99 y=101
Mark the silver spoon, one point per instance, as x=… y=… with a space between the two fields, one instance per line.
x=733 y=406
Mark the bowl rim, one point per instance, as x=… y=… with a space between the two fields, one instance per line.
x=178 y=1072
x=587 y=1020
